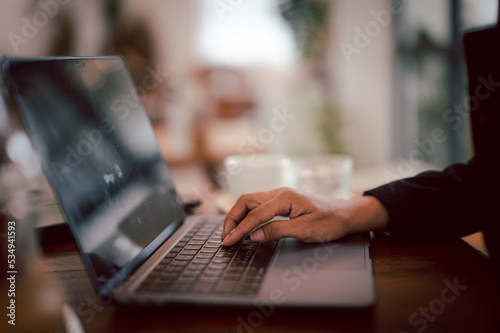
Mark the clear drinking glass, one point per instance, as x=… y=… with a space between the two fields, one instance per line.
x=323 y=174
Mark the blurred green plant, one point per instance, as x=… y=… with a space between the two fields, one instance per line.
x=309 y=21
x=329 y=126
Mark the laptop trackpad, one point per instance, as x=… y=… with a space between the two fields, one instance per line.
x=344 y=254
x=337 y=273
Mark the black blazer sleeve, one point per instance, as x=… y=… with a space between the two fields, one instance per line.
x=433 y=205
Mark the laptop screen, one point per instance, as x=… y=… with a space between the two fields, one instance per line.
x=100 y=154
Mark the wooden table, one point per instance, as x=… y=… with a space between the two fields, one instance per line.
x=441 y=287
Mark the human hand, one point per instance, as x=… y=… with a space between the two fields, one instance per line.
x=313 y=217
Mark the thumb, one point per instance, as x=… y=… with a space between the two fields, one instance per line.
x=274 y=230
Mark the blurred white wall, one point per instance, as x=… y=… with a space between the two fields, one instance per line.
x=362 y=77
x=172 y=25
x=361 y=87
x=27 y=33
x=11 y=25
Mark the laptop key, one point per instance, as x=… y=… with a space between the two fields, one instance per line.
x=209 y=250
x=224 y=255
x=205 y=256
x=193 y=247
x=191 y=274
x=232 y=277
x=189 y=252
x=209 y=279
x=183 y=288
x=216 y=267
x=213 y=273
x=227 y=286
x=200 y=238
x=221 y=260
x=185 y=257
x=165 y=275
x=177 y=262
x=176 y=249
x=200 y=261
x=187 y=279
x=204 y=287
x=175 y=269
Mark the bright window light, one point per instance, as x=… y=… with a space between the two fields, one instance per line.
x=244 y=32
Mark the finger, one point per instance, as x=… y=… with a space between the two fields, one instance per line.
x=255 y=217
x=243 y=205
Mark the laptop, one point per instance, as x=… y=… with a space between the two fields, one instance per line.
x=99 y=153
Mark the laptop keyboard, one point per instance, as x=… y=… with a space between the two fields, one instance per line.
x=199 y=264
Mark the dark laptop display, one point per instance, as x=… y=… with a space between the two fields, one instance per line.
x=110 y=170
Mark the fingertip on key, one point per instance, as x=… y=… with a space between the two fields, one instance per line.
x=226 y=239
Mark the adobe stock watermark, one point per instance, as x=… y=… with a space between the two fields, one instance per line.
x=454 y=116
x=371 y=30
x=225 y=7
x=421 y=318
x=92 y=138
x=292 y=280
x=39 y=19
x=250 y=146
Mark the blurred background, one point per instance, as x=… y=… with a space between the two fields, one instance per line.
x=383 y=81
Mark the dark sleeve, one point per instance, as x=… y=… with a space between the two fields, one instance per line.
x=434 y=204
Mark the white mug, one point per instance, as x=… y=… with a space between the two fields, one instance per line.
x=256 y=172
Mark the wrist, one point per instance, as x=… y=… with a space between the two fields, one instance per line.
x=367 y=214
